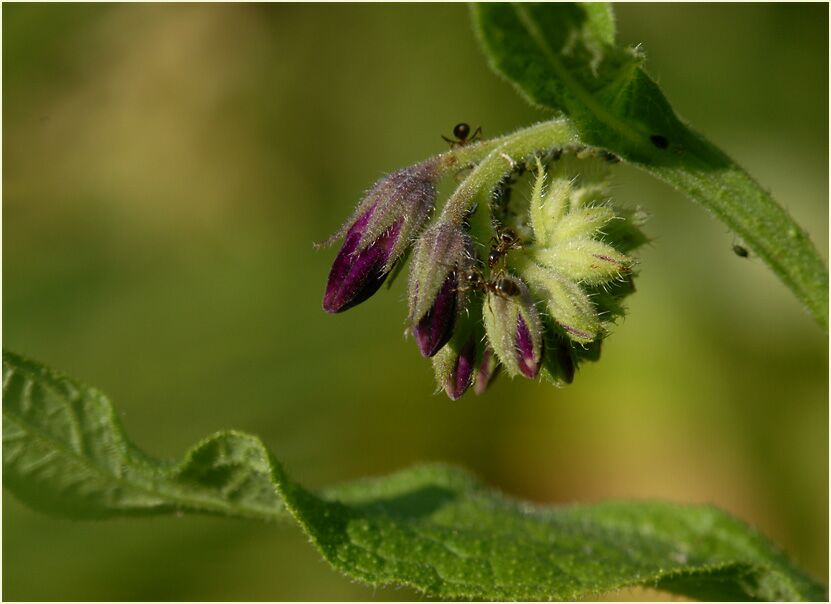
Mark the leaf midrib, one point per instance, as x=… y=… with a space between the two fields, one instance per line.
x=577 y=90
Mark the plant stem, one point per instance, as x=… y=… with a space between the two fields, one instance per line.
x=497 y=157
x=707 y=176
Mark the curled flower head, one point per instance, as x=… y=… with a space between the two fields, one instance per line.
x=529 y=282
x=380 y=230
x=569 y=262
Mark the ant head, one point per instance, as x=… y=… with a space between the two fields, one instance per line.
x=473 y=278
x=508 y=236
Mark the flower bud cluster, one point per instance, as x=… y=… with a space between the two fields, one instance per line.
x=527 y=283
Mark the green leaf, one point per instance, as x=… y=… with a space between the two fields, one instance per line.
x=434 y=528
x=562 y=56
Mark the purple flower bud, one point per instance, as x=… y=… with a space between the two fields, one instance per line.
x=435 y=328
x=440 y=251
x=486 y=373
x=383 y=226
x=355 y=276
x=527 y=355
x=433 y=289
x=514 y=327
x=459 y=378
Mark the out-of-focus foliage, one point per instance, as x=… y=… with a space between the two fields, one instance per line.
x=434 y=528
x=166 y=169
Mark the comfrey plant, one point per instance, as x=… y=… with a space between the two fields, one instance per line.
x=527 y=282
x=524 y=268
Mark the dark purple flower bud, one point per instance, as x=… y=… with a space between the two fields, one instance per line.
x=435 y=328
x=433 y=289
x=456 y=362
x=383 y=226
x=486 y=372
x=459 y=378
x=355 y=276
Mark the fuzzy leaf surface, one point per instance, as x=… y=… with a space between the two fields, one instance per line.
x=562 y=56
x=434 y=528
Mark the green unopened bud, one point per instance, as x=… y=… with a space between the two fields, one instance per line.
x=548 y=206
x=514 y=327
x=584 y=260
x=582 y=223
x=567 y=303
x=569 y=257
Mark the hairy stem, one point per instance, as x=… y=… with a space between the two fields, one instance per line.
x=497 y=157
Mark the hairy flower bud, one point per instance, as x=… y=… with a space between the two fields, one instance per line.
x=486 y=371
x=356 y=275
x=435 y=328
x=459 y=378
x=514 y=328
x=456 y=363
x=383 y=225
x=433 y=287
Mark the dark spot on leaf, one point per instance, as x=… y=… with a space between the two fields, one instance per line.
x=740 y=251
x=610 y=157
x=659 y=141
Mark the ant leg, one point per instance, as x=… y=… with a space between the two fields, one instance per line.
x=451 y=142
x=475 y=134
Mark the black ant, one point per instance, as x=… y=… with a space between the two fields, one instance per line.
x=504 y=287
x=505 y=241
x=462 y=132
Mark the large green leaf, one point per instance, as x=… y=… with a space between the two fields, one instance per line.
x=432 y=527
x=562 y=56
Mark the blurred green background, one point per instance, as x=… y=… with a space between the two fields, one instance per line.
x=166 y=169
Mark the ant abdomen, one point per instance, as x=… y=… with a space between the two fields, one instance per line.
x=506 y=287
x=462 y=133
